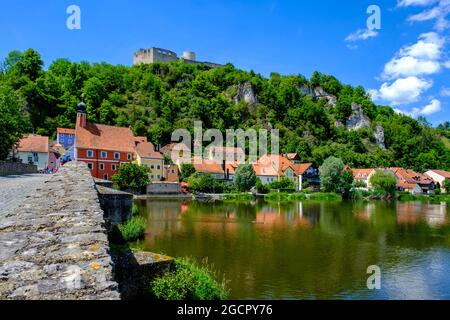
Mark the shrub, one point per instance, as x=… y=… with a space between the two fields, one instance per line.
x=189 y=281
x=131 y=176
x=284 y=197
x=135 y=210
x=262 y=188
x=133 y=229
x=284 y=183
x=205 y=183
x=238 y=197
x=186 y=170
x=322 y=196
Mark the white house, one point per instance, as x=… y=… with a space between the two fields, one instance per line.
x=439 y=176
x=33 y=149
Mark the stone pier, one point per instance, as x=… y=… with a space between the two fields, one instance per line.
x=54 y=244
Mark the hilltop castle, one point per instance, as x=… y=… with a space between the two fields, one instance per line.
x=152 y=55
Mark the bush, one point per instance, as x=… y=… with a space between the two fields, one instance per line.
x=262 y=188
x=205 y=183
x=186 y=170
x=134 y=229
x=189 y=281
x=284 y=197
x=282 y=184
x=135 y=210
x=238 y=197
x=322 y=196
x=131 y=176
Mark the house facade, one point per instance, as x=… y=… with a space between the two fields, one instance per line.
x=103 y=148
x=412 y=182
x=33 y=149
x=439 y=176
x=363 y=177
x=171 y=173
x=65 y=137
x=147 y=156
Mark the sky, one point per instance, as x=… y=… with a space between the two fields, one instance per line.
x=404 y=61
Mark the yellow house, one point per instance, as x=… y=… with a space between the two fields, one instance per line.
x=147 y=156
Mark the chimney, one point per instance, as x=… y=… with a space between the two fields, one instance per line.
x=81 y=115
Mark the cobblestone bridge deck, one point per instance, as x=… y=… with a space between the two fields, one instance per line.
x=53 y=243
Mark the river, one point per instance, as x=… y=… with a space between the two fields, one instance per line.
x=310 y=250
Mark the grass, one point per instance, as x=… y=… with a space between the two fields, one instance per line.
x=134 y=229
x=189 y=281
x=238 y=197
x=425 y=198
x=323 y=196
x=284 y=197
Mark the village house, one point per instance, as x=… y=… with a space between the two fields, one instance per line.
x=33 y=149
x=103 y=148
x=227 y=154
x=178 y=153
x=362 y=177
x=439 y=176
x=147 y=156
x=65 y=137
x=412 y=182
x=171 y=173
x=211 y=167
x=270 y=168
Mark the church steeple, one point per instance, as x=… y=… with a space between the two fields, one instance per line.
x=81 y=115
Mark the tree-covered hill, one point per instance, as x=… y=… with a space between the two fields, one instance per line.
x=317 y=118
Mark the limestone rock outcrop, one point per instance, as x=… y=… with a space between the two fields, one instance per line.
x=358 y=119
x=379 y=137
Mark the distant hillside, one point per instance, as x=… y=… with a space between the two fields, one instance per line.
x=317 y=117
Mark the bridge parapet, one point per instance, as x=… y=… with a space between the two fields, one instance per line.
x=54 y=245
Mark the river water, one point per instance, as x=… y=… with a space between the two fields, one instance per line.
x=310 y=250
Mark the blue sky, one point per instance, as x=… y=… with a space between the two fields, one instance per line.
x=405 y=64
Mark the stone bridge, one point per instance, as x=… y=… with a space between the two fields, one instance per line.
x=54 y=244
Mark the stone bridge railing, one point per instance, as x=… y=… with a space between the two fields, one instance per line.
x=54 y=245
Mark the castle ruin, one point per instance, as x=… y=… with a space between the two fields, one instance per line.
x=152 y=55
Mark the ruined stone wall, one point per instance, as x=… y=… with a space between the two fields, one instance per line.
x=54 y=244
x=13 y=168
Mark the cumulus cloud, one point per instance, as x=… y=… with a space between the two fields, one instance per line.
x=401 y=91
x=433 y=107
x=361 y=35
x=447 y=64
x=439 y=12
x=418 y=59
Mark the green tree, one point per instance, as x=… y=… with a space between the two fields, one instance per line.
x=131 y=176
x=186 y=170
x=331 y=174
x=245 y=177
x=384 y=183
x=13 y=122
x=346 y=183
x=204 y=183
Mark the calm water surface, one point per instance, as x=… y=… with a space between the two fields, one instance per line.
x=310 y=250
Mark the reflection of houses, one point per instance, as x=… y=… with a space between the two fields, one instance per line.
x=147 y=156
x=270 y=168
x=411 y=181
x=33 y=149
x=439 y=176
x=362 y=177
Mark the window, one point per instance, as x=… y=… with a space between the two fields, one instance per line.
x=152 y=166
x=158 y=177
x=116 y=155
x=90 y=166
x=158 y=167
x=30 y=160
x=129 y=156
x=113 y=167
x=36 y=157
x=152 y=176
x=102 y=166
x=145 y=165
x=104 y=155
x=90 y=153
x=105 y=176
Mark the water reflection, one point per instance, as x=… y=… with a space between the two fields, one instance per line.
x=310 y=250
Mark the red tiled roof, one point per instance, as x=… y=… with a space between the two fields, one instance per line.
x=140 y=139
x=411 y=176
x=362 y=174
x=65 y=131
x=101 y=137
x=147 y=150
x=292 y=156
x=207 y=166
x=33 y=143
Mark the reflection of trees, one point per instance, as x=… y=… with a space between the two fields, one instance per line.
x=290 y=250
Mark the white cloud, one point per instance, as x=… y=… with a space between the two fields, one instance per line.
x=447 y=64
x=361 y=34
x=438 y=13
x=445 y=92
x=418 y=59
x=433 y=107
x=401 y=91
x=408 y=3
